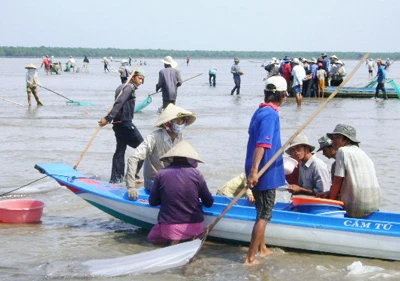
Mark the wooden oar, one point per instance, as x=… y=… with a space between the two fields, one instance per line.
x=99 y=127
x=126 y=265
x=13 y=102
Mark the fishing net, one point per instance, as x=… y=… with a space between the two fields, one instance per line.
x=143 y=104
x=394 y=85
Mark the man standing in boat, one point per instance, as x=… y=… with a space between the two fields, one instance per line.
x=263 y=143
x=126 y=133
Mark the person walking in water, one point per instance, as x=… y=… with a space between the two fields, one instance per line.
x=32 y=80
x=381 y=74
x=235 y=70
x=169 y=79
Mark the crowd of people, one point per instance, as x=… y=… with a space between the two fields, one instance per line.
x=167 y=158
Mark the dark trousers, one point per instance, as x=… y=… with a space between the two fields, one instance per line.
x=381 y=86
x=165 y=103
x=236 y=79
x=125 y=134
x=211 y=79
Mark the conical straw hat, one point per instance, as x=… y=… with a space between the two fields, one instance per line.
x=172 y=112
x=30 y=66
x=182 y=149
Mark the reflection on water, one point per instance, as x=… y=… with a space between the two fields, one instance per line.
x=73 y=231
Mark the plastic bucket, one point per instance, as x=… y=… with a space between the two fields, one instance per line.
x=21 y=210
x=316 y=208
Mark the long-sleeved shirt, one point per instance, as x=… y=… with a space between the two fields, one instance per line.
x=177 y=189
x=150 y=150
x=124 y=105
x=32 y=78
x=169 y=79
x=381 y=74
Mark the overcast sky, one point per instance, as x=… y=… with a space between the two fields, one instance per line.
x=259 y=25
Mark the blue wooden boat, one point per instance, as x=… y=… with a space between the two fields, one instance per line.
x=315 y=229
x=365 y=92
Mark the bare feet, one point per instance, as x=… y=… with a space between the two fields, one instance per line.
x=265 y=252
x=252 y=261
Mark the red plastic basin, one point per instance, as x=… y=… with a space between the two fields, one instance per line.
x=21 y=210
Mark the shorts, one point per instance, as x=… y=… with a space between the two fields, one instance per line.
x=297 y=89
x=265 y=201
x=31 y=89
x=321 y=84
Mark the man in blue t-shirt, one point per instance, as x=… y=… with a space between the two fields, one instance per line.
x=264 y=142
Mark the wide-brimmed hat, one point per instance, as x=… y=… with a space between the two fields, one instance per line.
x=30 y=66
x=323 y=55
x=182 y=149
x=313 y=60
x=324 y=141
x=334 y=57
x=345 y=130
x=236 y=60
x=172 y=112
x=139 y=72
x=300 y=140
x=339 y=62
x=296 y=61
x=276 y=83
x=168 y=60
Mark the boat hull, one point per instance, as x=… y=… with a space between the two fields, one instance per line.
x=376 y=236
x=356 y=92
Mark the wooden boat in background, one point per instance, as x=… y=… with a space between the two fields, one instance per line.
x=320 y=227
x=365 y=92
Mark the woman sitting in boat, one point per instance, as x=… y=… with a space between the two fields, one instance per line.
x=355 y=182
x=168 y=133
x=177 y=189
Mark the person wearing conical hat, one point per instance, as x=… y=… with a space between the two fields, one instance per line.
x=313 y=172
x=355 y=181
x=181 y=215
x=32 y=81
x=169 y=79
x=126 y=133
x=167 y=134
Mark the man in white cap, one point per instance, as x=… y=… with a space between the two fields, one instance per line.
x=32 y=81
x=126 y=133
x=167 y=134
x=169 y=79
x=123 y=70
x=355 y=182
x=263 y=143
x=298 y=73
x=181 y=214
x=313 y=172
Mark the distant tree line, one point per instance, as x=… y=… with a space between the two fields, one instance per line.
x=7 y=51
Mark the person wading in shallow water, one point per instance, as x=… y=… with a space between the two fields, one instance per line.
x=263 y=143
x=126 y=133
x=32 y=81
x=235 y=70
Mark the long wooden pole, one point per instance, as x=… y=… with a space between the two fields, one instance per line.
x=13 y=102
x=99 y=127
x=182 y=82
x=282 y=149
